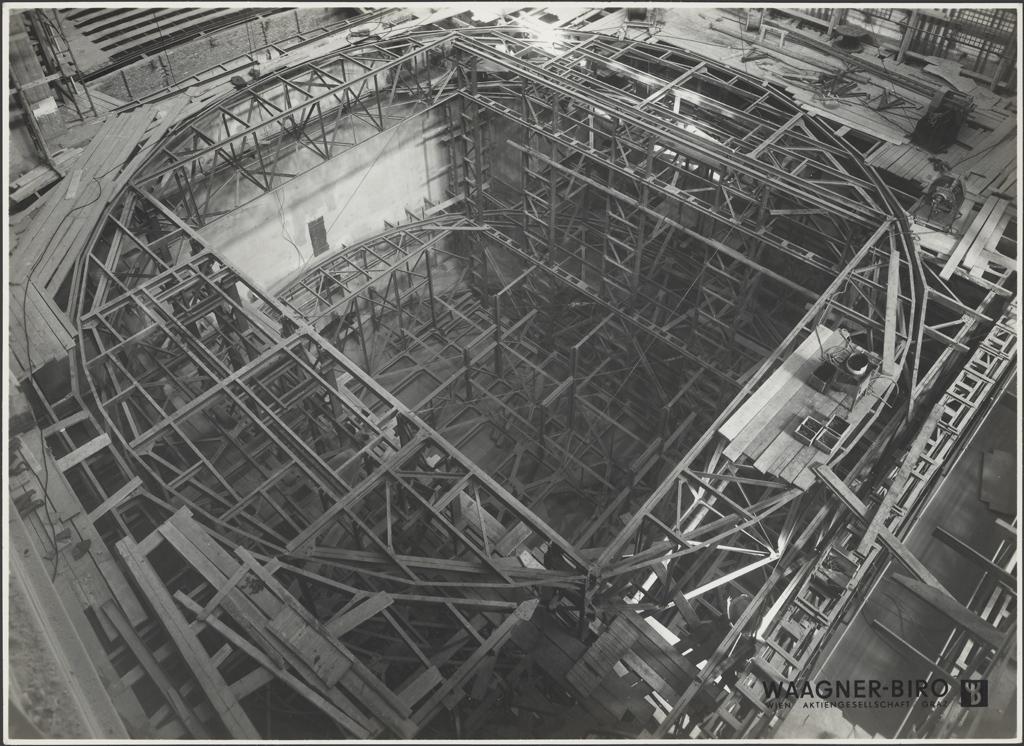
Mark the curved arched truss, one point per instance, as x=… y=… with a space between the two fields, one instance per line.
x=658 y=215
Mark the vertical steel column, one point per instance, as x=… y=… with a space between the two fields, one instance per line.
x=478 y=163
x=552 y=195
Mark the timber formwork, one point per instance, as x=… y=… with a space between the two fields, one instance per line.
x=441 y=477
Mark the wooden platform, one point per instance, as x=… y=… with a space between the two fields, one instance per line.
x=757 y=411
x=904 y=160
x=48 y=247
x=48 y=241
x=762 y=428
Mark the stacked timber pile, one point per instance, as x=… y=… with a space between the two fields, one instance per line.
x=39 y=178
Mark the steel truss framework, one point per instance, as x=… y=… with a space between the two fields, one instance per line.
x=598 y=309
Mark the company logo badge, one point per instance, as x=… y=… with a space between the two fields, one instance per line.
x=974 y=692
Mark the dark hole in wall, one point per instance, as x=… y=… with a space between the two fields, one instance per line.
x=318 y=236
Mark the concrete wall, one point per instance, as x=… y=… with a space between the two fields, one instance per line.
x=355 y=192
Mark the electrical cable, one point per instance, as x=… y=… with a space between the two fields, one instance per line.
x=821 y=344
x=163 y=43
x=284 y=233
x=888 y=76
x=743 y=50
x=1004 y=138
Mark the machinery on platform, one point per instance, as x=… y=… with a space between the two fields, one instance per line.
x=939 y=127
x=940 y=204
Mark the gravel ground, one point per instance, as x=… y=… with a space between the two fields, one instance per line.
x=38 y=686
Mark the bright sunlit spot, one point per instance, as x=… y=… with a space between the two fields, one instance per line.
x=547 y=36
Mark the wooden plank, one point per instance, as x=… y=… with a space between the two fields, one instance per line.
x=33 y=335
x=892 y=156
x=318 y=650
x=651 y=677
x=105 y=580
x=42 y=176
x=45 y=219
x=881 y=515
x=792 y=367
x=222 y=591
x=171 y=109
x=996 y=135
x=336 y=713
x=989 y=235
x=342 y=623
x=65 y=423
x=249 y=610
x=778 y=447
x=599 y=659
x=956 y=611
x=81 y=648
x=55 y=316
x=357 y=679
x=494 y=641
x=892 y=289
x=930 y=590
x=48 y=339
x=907 y=155
x=482 y=678
x=251 y=682
x=685 y=609
x=976 y=557
x=213 y=684
x=831 y=480
x=90 y=161
x=62 y=250
x=614 y=705
x=116 y=499
x=660 y=662
x=154 y=671
x=792 y=450
x=78 y=455
x=804 y=457
x=419 y=686
x=968 y=238
x=512 y=540
x=35 y=321
x=73 y=181
x=765 y=425
x=680 y=668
